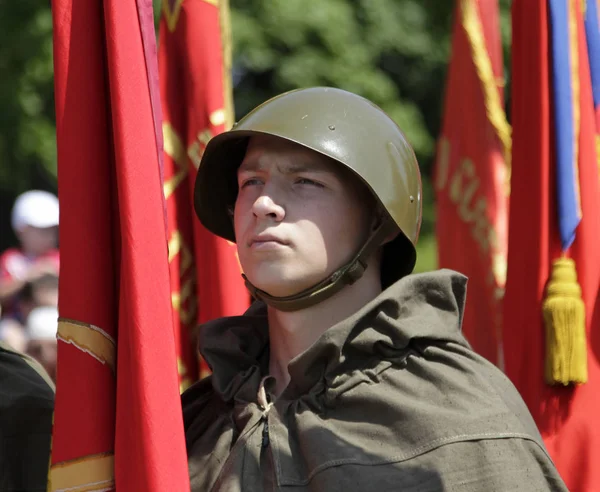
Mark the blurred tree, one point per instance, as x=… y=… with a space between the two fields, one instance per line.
x=27 y=130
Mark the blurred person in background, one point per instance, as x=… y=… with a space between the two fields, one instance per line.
x=26 y=405
x=38 y=293
x=42 y=325
x=13 y=334
x=35 y=223
x=42 y=291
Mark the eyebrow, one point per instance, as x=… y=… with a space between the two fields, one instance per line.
x=254 y=165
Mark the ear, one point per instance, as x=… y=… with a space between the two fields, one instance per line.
x=390 y=237
x=378 y=218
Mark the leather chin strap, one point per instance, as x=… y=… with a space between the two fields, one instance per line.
x=346 y=275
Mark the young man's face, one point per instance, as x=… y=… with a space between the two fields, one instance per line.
x=298 y=217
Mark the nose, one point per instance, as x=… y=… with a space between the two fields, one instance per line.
x=265 y=207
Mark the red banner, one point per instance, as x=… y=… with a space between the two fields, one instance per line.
x=566 y=415
x=117 y=421
x=471 y=172
x=195 y=66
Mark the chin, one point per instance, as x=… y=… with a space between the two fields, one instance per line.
x=277 y=283
x=276 y=288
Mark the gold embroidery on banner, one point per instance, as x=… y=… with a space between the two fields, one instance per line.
x=195 y=153
x=204 y=136
x=186 y=290
x=472 y=210
x=171 y=15
x=217 y=117
x=89 y=339
x=462 y=190
x=174 y=245
x=186 y=261
x=185 y=382
x=196 y=148
x=499 y=269
x=483 y=65
x=186 y=316
x=178 y=247
x=175 y=149
x=87 y=474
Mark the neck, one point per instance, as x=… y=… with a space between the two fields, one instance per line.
x=291 y=333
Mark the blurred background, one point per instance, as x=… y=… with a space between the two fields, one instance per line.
x=394 y=52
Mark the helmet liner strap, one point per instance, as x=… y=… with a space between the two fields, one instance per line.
x=346 y=275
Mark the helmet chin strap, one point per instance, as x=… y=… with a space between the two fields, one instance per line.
x=346 y=275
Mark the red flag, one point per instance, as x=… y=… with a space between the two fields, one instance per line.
x=195 y=65
x=566 y=415
x=117 y=421
x=471 y=173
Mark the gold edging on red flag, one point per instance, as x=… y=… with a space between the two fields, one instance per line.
x=88 y=474
x=196 y=148
x=483 y=66
x=89 y=339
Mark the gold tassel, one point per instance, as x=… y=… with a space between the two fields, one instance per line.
x=564 y=317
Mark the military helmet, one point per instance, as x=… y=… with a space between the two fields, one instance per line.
x=342 y=126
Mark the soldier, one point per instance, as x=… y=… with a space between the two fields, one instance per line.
x=347 y=373
x=26 y=405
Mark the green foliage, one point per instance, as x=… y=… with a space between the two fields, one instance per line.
x=390 y=51
x=27 y=129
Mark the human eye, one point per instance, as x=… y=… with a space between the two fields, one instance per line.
x=308 y=181
x=252 y=181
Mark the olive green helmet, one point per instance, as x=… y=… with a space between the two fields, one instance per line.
x=350 y=130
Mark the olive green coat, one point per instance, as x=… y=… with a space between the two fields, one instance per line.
x=390 y=399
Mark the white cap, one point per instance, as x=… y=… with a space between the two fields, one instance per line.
x=42 y=323
x=35 y=208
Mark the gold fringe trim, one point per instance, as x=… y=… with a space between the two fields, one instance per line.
x=88 y=474
x=564 y=318
x=483 y=65
x=89 y=339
